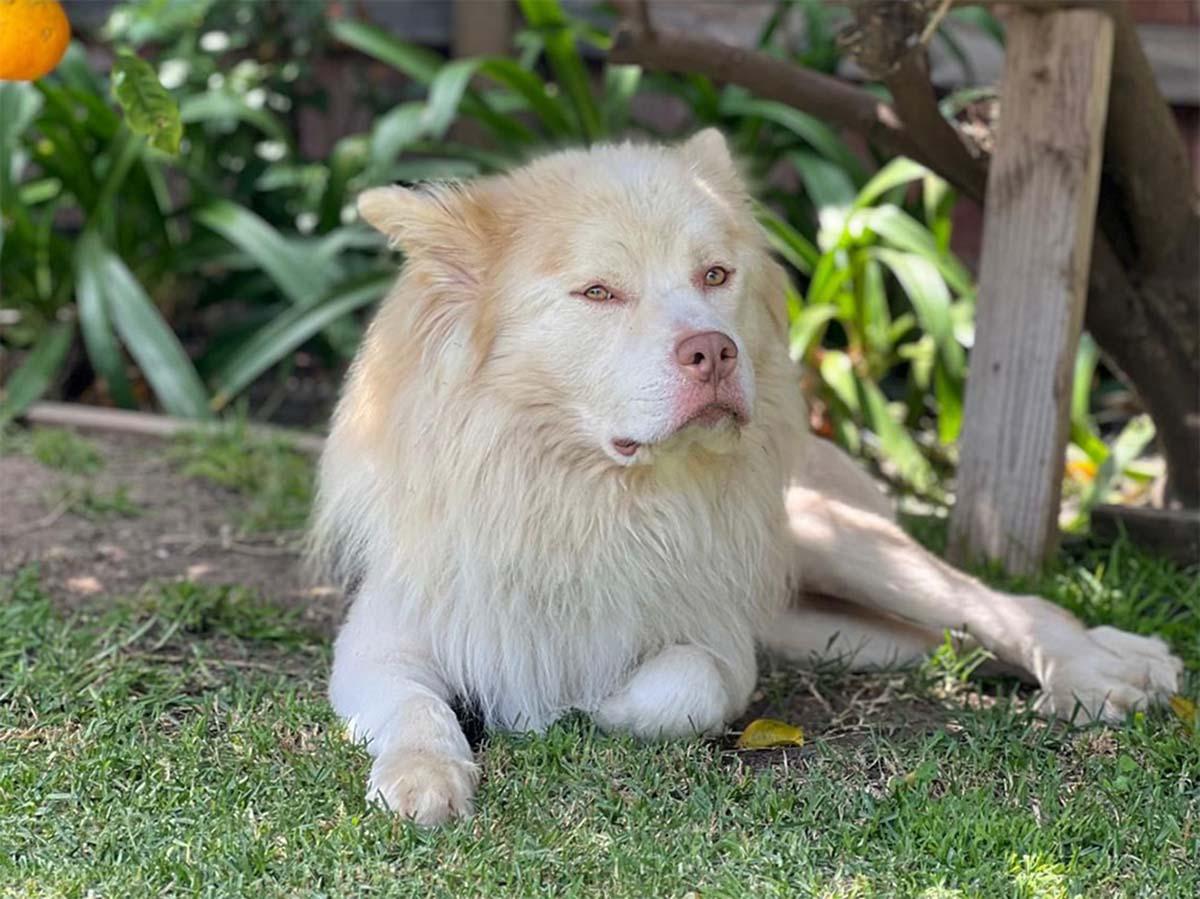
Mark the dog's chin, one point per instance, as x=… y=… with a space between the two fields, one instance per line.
x=714 y=429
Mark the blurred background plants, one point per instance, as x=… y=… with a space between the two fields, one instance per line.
x=138 y=273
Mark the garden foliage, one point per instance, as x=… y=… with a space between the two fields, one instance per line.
x=188 y=254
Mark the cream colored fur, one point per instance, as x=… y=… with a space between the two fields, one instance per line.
x=508 y=554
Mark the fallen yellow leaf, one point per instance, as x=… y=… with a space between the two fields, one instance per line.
x=1184 y=709
x=764 y=733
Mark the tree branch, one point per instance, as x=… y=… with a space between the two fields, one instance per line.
x=827 y=98
x=1145 y=160
x=939 y=142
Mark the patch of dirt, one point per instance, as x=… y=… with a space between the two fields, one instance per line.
x=183 y=531
x=843 y=710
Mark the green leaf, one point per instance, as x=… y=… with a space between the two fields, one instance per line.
x=551 y=111
x=1134 y=437
x=98 y=336
x=837 y=371
x=930 y=299
x=823 y=139
x=949 y=395
x=445 y=94
x=620 y=86
x=981 y=19
x=416 y=62
x=828 y=279
x=424 y=65
x=895 y=443
x=896 y=173
x=149 y=340
x=302 y=279
x=938 y=201
x=394 y=131
x=825 y=182
x=34 y=376
x=831 y=192
x=288 y=332
x=904 y=232
x=19 y=105
x=149 y=108
x=806 y=329
x=1082 y=433
x=221 y=106
x=873 y=305
x=562 y=52
x=787 y=241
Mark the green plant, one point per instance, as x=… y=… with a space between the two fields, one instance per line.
x=65 y=451
x=118 y=233
x=886 y=318
x=274 y=481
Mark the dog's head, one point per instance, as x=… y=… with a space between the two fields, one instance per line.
x=621 y=296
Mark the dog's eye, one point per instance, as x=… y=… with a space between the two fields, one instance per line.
x=597 y=293
x=715 y=276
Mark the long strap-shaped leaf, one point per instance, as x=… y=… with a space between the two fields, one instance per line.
x=289 y=330
x=296 y=273
x=96 y=327
x=33 y=377
x=565 y=60
x=151 y=343
x=423 y=66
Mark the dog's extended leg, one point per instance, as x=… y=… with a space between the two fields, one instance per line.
x=682 y=691
x=851 y=553
x=423 y=766
x=819 y=629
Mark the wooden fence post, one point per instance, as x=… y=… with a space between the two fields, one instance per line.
x=1038 y=227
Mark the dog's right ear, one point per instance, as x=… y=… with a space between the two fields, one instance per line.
x=444 y=225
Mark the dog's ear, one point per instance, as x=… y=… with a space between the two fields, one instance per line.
x=442 y=225
x=709 y=155
x=446 y=233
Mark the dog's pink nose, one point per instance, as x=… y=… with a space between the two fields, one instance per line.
x=707 y=355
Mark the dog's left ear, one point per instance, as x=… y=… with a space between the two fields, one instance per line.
x=443 y=226
x=446 y=233
x=708 y=152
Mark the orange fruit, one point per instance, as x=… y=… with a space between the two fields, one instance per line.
x=33 y=38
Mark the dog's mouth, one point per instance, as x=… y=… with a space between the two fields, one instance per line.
x=708 y=416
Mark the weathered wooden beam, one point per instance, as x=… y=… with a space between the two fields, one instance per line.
x=145 y=424
x=1039 y=221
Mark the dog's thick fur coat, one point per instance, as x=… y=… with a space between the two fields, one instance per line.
x=550 y=499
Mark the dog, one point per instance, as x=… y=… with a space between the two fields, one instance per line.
x=570 y=469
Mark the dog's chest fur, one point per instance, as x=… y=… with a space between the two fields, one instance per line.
x=540 y=599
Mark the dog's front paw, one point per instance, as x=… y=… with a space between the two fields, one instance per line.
x=1106 y=674
x=429 y=788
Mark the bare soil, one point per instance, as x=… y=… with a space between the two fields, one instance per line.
x=183 y=529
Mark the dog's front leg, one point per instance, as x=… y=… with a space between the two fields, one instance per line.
x=386 y=690
x=682 y=691
x=850 y=553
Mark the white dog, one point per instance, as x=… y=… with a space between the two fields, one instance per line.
x=570 y=470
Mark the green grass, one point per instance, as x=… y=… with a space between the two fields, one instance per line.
x=65 y=451
x=180 y=744
x=94 y=503
x=274 y=480
x=55 y=448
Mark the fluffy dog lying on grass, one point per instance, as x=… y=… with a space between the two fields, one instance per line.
x=570 y=470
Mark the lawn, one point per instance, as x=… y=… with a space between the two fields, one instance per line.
x=175 y=740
